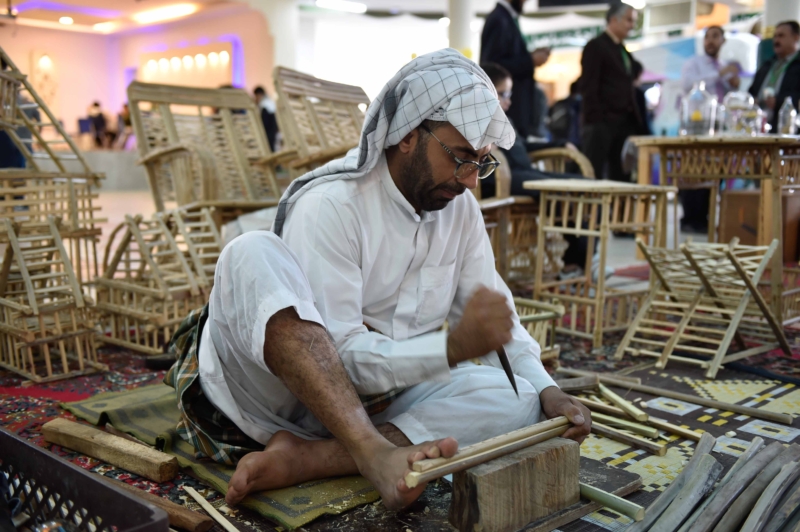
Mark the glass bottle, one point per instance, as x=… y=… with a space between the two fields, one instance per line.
x=787 y=118
x=698 y=111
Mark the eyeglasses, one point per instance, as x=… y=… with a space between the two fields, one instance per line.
x=464 y=169
x=504 y=95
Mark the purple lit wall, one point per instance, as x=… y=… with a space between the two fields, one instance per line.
x=68 y=8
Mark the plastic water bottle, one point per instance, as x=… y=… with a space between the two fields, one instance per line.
x=698 y=111
x=787 y=118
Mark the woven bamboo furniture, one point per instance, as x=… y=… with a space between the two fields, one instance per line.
x=31 y=198
x=705 y=298
x=196 y=235
x=148 y=286
x=686 y=161
x=49 y=141
x=594 y=208
x=320 y=120
x=204 y=148
x=540 y=319
x=46 y=331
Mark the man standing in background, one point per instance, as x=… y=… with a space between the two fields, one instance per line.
x=609 y=104
x=502 y=43
x=780 y=76
x=267 y=107
x=719 y=78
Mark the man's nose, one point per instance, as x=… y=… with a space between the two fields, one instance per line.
x=471 y=182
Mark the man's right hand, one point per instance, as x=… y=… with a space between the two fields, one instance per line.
x=484 y=327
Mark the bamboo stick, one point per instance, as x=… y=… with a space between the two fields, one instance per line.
x=649 y=432
x=218 y=517
x=674 y=429
x=770 y=497
x=694 y=489
x=613 y=502
x=578 y=384
x=596 y=406
x=785 y=419
x=612 y=378
x=455 y=464
x=608 y=432
x=627 y=406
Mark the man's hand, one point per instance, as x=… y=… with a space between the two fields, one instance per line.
x=484 y=327
x=557 y=403
x=732 y=69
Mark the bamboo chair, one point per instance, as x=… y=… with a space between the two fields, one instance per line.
x=321 y=120
x=148 y=286
x=204 y=148
x=47 y=330
x=17 y=95
x=539 y=319
x=31 y=198
x=196 y=235
x=704 y=298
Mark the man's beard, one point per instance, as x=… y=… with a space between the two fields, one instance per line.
x=417 y=182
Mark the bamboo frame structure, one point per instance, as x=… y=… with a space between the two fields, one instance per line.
x=320 y=120
x=594 y=209
x=148 y=286
x=196 y=234
x=705 y=297
x=539 y=319
x=49 y=142
x=204 y=148
x=47 y=328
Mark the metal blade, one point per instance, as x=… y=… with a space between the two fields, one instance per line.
x=501 y=354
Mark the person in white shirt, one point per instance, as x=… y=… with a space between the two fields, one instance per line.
x=378 y=251
x=719 y=78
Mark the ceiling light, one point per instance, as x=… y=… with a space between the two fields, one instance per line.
x=152 y=65
x=444 y=21
x=224 y=57
x=343 y=5
x=105 y=27
x=163 y=64
x=176 y=63
x=188 y=62
x=66 y=20
x=213 y=59
x=161 y=14
x=200 y=59
x=45 y=63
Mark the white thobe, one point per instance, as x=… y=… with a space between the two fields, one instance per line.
x=370 y=260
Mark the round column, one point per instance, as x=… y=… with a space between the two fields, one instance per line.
x=776 y=11
x=283 y=20
x=461 y=14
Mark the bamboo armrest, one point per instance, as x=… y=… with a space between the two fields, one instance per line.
x=523 y=200
x=564 y=153
x=489 y=204
x=25 y=309
x=276 y=158
x=538 y=305
x=322 y=156
x=168 y=150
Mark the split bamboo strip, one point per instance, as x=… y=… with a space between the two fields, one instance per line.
x=627 y=406
x=485 y=451
x=218 y=517
x=649 y=432
x=608 y=432
x=613 y=502
x=597 y=406
x=674 y=429
x=608 y=378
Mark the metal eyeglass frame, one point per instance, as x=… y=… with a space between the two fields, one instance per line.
x=492 y=163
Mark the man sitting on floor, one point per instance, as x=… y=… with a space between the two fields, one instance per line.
x=378 y=250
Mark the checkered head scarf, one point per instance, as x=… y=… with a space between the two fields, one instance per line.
x=442 y=86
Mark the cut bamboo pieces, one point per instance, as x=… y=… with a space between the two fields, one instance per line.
x=789 y=505
x=695 y=487
x=622 y=404
x=674 y=429
x=654 y=511
x=613 y=502
x=737 y=513
x=427 y=470
x=606 y=378
x=641 y=443
x=771 y=496
x=218 y=517
x=785 y=419
x=597 y=406
x=724 y=497
x=648 y=432
x=578 y=384
x=755 y=446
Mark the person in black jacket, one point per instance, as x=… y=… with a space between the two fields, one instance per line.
x=267 y=108
x=502 y=43
x=609 y=103
x=780 y=76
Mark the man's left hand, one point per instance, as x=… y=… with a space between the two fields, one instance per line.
x=557 y=403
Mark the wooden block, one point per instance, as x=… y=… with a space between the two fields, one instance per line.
x=130 y=456
x=179 y=516
x=509 y=492
x=596 y=474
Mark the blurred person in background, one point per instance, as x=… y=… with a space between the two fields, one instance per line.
x=780 y=76
x=268 y=108
x=720 y=78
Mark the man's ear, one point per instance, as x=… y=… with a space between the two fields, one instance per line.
x=409 y=142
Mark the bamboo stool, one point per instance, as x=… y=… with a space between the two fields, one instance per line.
x=30 y=198
x=47 y=330
x=148 y=286
x=594 y=208
x=705 y=297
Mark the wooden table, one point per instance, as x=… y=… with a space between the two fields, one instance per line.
x=594 y=208
x=689 y=160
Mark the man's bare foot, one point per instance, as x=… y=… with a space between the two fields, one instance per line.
x=386 y=470
x=288 y=460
